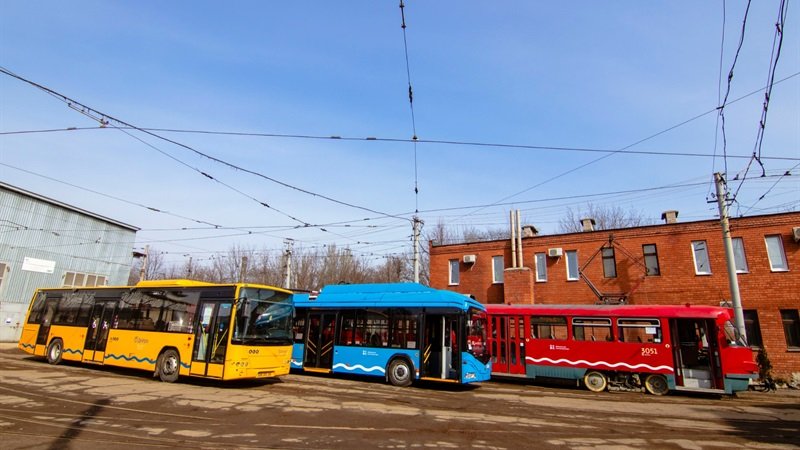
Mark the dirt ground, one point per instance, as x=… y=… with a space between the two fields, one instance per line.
x=81 y=407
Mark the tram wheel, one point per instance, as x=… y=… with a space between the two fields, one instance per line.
x=656 y=384
x=55 y=351
x=595 y=381
x=169 y=364
x=399 y=372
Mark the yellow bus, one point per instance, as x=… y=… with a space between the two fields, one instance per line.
x=170 y=327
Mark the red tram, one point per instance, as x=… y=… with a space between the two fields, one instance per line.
x=658 y=348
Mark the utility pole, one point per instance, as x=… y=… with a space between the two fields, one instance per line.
x=733 y=281
x=287 y=266
x=143 y=269
x=243 y=270
x=417 y=223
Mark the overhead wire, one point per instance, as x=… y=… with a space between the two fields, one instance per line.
x=777 y=44
x=104 y=119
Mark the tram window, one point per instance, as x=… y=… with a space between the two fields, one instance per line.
x=549 y=327
x=592 y=329
x=639 y=330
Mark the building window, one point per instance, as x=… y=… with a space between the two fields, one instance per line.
x=541 y=266
x=651 y=260
x=700 y=252
x=791 y=328
x=738 y=255
x=752 y=328
x=497 y=269
x=609 y=263
x=572 y=265
x=777 y=259
x=454 y=275
x=3 y=269
x=77 y=279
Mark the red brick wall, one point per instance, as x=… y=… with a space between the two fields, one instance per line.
x=761 y=289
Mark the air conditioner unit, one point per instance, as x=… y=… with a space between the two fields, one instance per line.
x=470 y=259
x=796 y=234
x=555 y=252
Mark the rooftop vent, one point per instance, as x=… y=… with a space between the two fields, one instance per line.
x=529 y=231
x=670 y=216
x=588 y=224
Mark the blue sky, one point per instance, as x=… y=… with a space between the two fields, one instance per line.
x=591 y=75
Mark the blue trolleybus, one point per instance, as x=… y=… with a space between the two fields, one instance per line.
x=403 y=332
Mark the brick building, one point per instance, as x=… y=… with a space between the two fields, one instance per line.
x=669 y=263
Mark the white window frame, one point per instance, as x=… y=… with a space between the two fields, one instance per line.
x=572 y=263
x=776 y=254
x=3 y=269
x=497 y=275
x=540 y=260
x=697 y=249
x=99 y=280
x=453 y=275
x=739 y=256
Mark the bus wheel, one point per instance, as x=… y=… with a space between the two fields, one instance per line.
x=399 y=372
x=656 y=384
x=595 y=381
x=55 y=351
x=169 y=364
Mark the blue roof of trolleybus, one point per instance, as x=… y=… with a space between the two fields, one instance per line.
x=386 y=295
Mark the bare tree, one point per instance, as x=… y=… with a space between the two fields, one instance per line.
x=154 y=267
x=605 y=217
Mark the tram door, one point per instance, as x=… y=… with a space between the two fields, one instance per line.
x=100 y=323
x=319 y=341
x=696 y=353
x=441 y=357
x=508 y=344
x=211 y=337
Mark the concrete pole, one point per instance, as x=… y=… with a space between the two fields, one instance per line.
x=733 y=281
x=519 y=240
x=513 y=223
x=287 y=274
x=243 y=270
x=416 y=224
x=143 y=270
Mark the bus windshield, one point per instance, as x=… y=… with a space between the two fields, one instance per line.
x=264 y=317
x=476 y=335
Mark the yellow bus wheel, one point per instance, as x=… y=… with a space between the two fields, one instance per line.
x=55 y=351
x=169 y=364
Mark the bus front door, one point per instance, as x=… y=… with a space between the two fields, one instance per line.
x=695 y=352
x=508 y=344
x=45 y=322
x=211 y=339
x=319 y=341
x=441 y=358
x=100 y=322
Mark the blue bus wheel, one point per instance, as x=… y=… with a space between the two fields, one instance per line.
x=399 y=372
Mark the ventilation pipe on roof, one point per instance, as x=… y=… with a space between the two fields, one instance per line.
x=670 y=216
x=588 y=224
x=529 y=231
x=516 y=239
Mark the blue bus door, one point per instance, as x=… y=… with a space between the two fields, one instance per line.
x=441 y=357
x=319 y=341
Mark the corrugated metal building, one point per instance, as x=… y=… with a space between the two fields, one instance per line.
x=47 y=243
